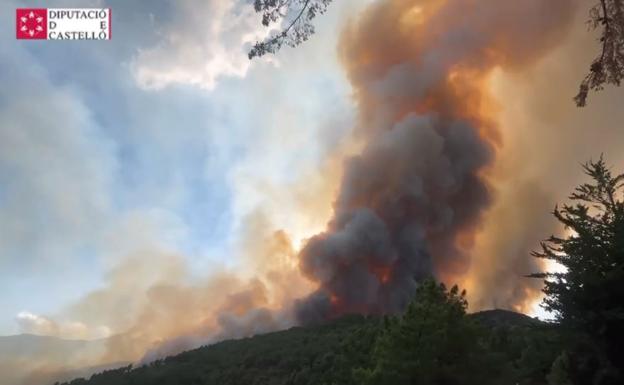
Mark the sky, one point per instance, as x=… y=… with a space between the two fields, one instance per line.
x=162 y=139
x=167 y=140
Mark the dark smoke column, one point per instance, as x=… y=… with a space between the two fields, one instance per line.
x=410 y=203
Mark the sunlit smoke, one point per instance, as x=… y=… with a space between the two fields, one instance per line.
x=411 y=204
x=418 y=199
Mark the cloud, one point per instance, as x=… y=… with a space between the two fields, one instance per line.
x=106 y=191
x=40 y=325
x=35 y=324
x=73 y=201
x=152 y=303
x=56 y=166
x=204 y=41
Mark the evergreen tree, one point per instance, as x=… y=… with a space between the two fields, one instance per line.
x=434 y=342
x=588 y=295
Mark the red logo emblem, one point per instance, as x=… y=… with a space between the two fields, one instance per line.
x=31 y=23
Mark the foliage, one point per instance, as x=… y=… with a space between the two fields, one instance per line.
x=298 y=16
x=608 y=67
x=587 y=297
x=494 y=350
x=300 y=356
x=433 y=342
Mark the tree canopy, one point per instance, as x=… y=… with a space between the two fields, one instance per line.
x=608 y=66
x=587 y=296
x=433 y=342
x=296 y=14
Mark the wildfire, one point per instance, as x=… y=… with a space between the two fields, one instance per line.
x=383 y=273
x=413 y=200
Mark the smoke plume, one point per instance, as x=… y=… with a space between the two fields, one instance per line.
x=411 y=204
x=442 y=185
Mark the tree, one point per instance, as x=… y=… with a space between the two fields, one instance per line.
x=433 y=342
x=298 y=15
x=587 y=297
x=608 y=67
x=560 y=373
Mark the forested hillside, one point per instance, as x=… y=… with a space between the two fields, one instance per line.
x=521 y=347
x=434 y=341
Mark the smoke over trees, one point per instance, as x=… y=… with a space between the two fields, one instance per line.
x=434 y=341
x=607 y=16
x=411 y=202
x=435 y=329
x=587 y=296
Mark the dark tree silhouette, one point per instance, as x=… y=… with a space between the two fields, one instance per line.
x=588 y=296
x=433 y=342
x=608 y=68
x=298 y=16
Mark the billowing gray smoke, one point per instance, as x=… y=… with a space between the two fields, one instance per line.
x=405 y=199
x=411 y=202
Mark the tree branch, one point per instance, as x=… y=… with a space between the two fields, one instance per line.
x=607 y=31
x=305 y=6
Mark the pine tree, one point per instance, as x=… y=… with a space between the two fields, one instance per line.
x=433 y=342
x=588 y=295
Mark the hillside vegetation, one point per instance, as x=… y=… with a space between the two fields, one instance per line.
x=434 y=342
x=328 y=354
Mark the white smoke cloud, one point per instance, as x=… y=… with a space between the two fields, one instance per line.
x=55 y=166
x=31 y=323
x=205 y=41
x=35 y=324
